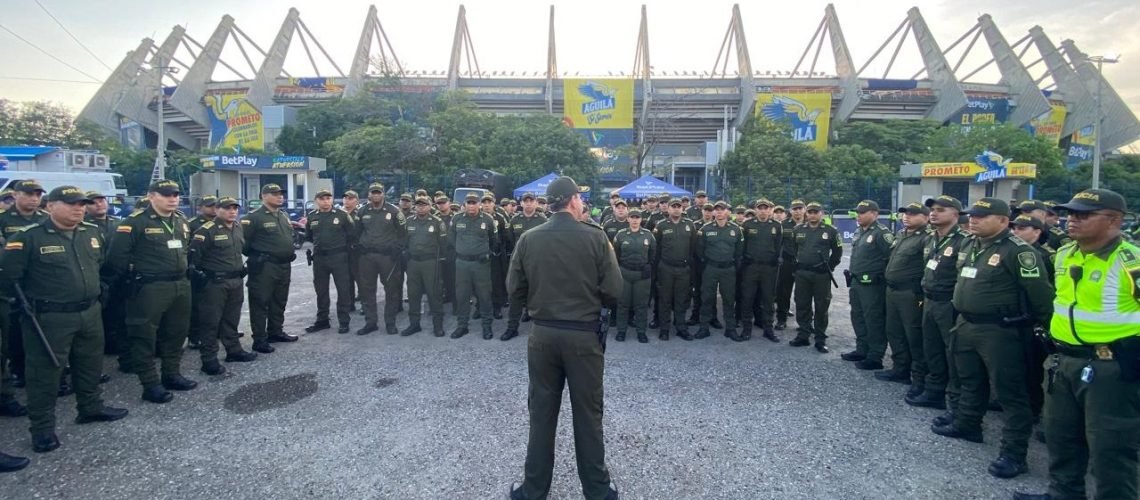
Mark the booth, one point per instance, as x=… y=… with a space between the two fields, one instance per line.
x=648 y=186
x=538 y=187
x=241 y=176
x=989 y=175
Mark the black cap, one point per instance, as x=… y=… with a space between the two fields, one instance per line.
x=1096 y=199
x=988 y=206
x=945 y=201
x=562 y=189
x=68 y=194
x=167 y=187
x=28 y=186
x=867 y=206
x=914 y=209
x=271 y=189
x=208 y=201
x=1026 y=220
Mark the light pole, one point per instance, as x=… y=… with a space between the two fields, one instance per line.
x=160 y=149
x=1100 y=61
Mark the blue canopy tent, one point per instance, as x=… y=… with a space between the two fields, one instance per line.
x=537 y=187
x=648 y=186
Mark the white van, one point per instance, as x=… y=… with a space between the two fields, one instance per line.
x=107 y=183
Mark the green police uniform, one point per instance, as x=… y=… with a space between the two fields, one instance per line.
x=474 y=239
x=566 y=271
x=870 y=249
x=447 y=259
x=677 y=246
x=500 y=259
x=332 y=233
x=762 y=243
x=269 y=246
x=818 y=250
x=904 y=304
x=612 y=227
x=58 y=271
x=382 y=238
x=194 y=224
x=216 y=260
x=786 y=278
x=13 y=221
x=635 y=253
x=939 y=277
x=427 y=240
x=150 y=250
x=520 y=224
x=999 y=277
x=719 y=249
x=114 y=298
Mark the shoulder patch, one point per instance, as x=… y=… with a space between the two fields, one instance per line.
x=14 y=245
x=136 y=213
x=123 y=229
x=1027 y=259
x=245 y=222
x=1018 y=241
x=207 y=225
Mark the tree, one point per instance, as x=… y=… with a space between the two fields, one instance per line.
x=856 y=173
x=526 y=148
x=767 y=162
x=896 y=141
x=36 y=123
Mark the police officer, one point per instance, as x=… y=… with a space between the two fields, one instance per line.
x=698 y=273
x=474 y=236
x=406 y=205
x=113 y=299
x=207 y=207
x=696 y=212
x=720 y=246
x=940 y=274
x=609 y=210
x=447 y=258
x=1040 y=211
x=382 y=238
x=677 y=244
x=904 y=301
x=870 y=248
x=786 y=279
x=1092 y=401
x=818 y=250
x=216 y=264
x=763 y=238
x=331 y=231
x=567 y=271
x=427 y=240
x=523 y=221
x=24 y=212
x=1000 y=285
x=269 y=246
x=499 y=258
x=56 y=263
x=618 y=220
x=149 y=250
x=351 y=201
x=636 y=249
x=1033 y=232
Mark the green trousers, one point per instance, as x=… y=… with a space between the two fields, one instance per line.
x=158 y=317
x=423 y=279
x=723 y=278
x=77 y=340
x=937 y=344
x=383 y=269
x=758 y=283
x=634 y=300
x=268 y=294
x=473 y=278
x=993 y=355
x=6 y=390
x=868 y=318
x=336 y=267
x=1092 y=426
x=904 y=333
x=672 y=295
x=557 y=358
x=813 y=299
x=219 y=311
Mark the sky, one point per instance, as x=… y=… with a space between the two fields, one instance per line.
x=594 y=37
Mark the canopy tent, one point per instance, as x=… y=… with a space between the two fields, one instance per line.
x=648 y=186
x=537 y=187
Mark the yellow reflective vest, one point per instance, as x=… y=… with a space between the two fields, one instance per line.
x=1098 y=294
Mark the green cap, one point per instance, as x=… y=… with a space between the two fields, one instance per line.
x=541 y=200
x=28 y=186
x=914 y=209
x=797 y=203
x=471 y=197
x=779 y=208
x=562 y=189
x=652 y=198
x=91 y=195
x=620 y=202
x=422 y=200
x=988 y=206
x=816 y=206
x=720 y=204
x=1096 y=199
x=6 y=193
x=406 y=197
x=702 y=194
x=739 y=209
x=208 y=201
x=68 y=194
x=442 y=198
x=707 y=207
x=227 y=202
x=271 y=189
x=945 y=201
x=867 y=206
x=527 y=196
x=677 y=202
x=635 y=213
x=686 y=199
x=1031 y=205
x=614 y=194
x=750 y=213
x=166 y=187
x=323 y=192
x=488 y=197
x=1028 y=221
x=351 y=194
x=375 y=186
x=762 y=202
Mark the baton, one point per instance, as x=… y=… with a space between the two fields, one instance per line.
x=27 y=308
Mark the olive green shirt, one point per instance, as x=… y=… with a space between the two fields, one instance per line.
x=993 y=275
x=106 y=225
x=217 y=248
x=473 y=236
x=382 y=228
x=676 y=241
x=870 y=249
x=720 y=244
x=52 y=266
x=940 y=273
x=762 y=241
x=149 y=244
x=612 y=226
x=427 y=236
x=331 y=230
x=817 y=247
x=635 y=250
x=267 y=232
x=904 y=268
x=197 y=222
x=788 y=246
x=12 y=222
x=521 y=224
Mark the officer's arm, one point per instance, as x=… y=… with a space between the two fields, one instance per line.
x=13 y=263
x=451 y=234
x=836 y=250
x=198 y=244
x=694 y=239
x=249 y=229
x=738 y=251
x=517 y=285
x=653 y=253
x=610 y=281
x=122 y=245
x=401 y=229
x=443 y=236
x=1030 y=272
x=309 y=227
x=700 y=245
x=493 y=236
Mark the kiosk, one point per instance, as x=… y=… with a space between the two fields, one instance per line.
x=241 y=176
x=988 y=175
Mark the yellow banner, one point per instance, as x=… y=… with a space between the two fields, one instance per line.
x=234 y=122
x=808 y=113
x=1050 y=123
x=967 y=170
x=1086 y=136
x=598 y=103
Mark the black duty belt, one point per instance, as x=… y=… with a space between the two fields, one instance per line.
x=46 y=306
x=814 y=269
x=938 y=296
x=225 y=275
x=773 y=262
x=329 y=252
x=421 y=258
x=1092 y=351
x=631 y=269
x=154 y=278
x=584 y=326
x=675 y=263
x=275 y=259
x=721 y=265
x=387 y=251
x=982 y=319
x=900 y=287
x=471 y=258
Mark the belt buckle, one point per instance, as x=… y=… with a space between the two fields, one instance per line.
x=1103 y=353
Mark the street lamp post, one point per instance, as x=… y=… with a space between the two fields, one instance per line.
x=160 y=149
x=1100 y=61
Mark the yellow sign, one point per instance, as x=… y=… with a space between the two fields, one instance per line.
x=968 y=170
x=808 y=113
x=598 y=103
x=234 y=122
x=1086 y=136
x=1050 y=123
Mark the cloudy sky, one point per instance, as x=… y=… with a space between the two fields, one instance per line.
x=594 y=37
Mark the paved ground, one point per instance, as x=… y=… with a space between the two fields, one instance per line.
x=342 y=416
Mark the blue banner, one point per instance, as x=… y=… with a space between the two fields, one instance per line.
x=607 y=138
x=982 y=112
x=246 y=162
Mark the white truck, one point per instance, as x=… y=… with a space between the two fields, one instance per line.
x=107 y=183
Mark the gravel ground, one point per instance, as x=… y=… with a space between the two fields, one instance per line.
x=342 y=416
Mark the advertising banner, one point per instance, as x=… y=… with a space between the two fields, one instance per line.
x=234 y=122
x=983 y=112
x=246 y=162
x=598 y=103
x=608 y=138
x=1081 y=147
x=988 y=166
x=309 y=88
x=809 y=114
x=1049 y=123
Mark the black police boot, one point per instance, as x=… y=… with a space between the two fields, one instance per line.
x=525 y=316
x=853 y=356
x=928 y=399
x=9 y=463
x=488 y=334
x=412 y=329
x=282 y=337
x=437 y=324
x=476 y=314
x=104 y=378
x=771 y=335
x=240 y=357
x=343 y=328
x=746 y=331
x=368 y=328
x=318 y=326
x=822 y=347
x=157 y=394
x=390 y=328
x=193 y=343
x=946 y=418
x=693 y=320
x=869 y=364
x=177 y=382
x=65 y=389
x=263 y=347
x=894 y=375
x=106 y=414
x=798 y=342
x=703 y=333
x=732 y=335
x=497 y=313
x=459 y=332
x=952 y=431
x=1017 y=495
x=620 y=337
x=715 y=323
x=641 y=337
x=509 y=334
x=684 y=334
x=914 y=391
x=516 y=492
x=663 y=334
x=44 y=441
x=653 y=324
x=12 y=408
x=212 y=367
x=1006 y=467
x=781 y=325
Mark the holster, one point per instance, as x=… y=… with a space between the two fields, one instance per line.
x=1126 y=351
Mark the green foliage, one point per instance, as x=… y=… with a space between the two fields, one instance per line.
x=897 y=141
x=36 y=123
x=530 y=147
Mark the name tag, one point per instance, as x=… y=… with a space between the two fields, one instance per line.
x=969 y=272
x=174 y=244
x=268 y=224
x=218 y=237
x=51 y=249
x=153 y=230
x=932 y=264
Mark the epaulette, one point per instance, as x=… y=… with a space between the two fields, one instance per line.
x=137 y=212
x=88 y=224
x=180 y=213
x=310 y=213
x=1057 y=231
x=207 y=225
x=1017 y=241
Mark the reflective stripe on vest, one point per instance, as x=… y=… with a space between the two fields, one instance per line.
x=1105 y=309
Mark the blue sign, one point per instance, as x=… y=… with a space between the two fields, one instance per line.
x=245 y=162
x=983 y=112
x=607 y=138
x=994 y=164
